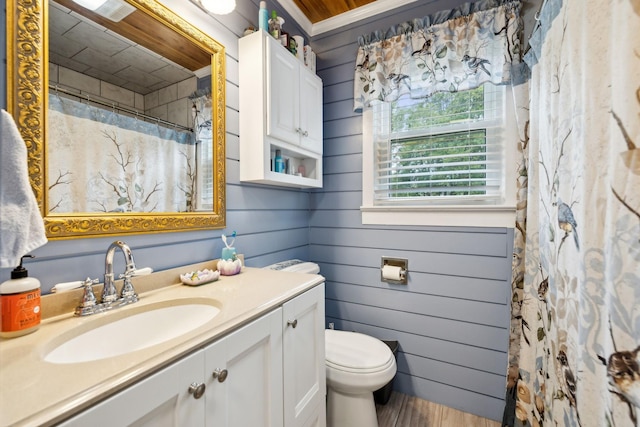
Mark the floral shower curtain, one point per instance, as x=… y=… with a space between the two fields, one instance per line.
x=102 y=161
x=575 y=359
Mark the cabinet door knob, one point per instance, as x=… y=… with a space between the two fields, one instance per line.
x=298 y=130
x=197 y=390
x=220 y=374
x=305 y=133
x=293 y=323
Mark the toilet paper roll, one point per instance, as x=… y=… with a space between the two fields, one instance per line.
x=392 y=272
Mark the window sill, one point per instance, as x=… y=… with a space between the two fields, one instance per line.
x=464 y=216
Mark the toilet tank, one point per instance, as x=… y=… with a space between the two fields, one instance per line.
x=295 y=265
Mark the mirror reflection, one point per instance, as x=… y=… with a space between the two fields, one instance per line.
x=128 y=130
x=173 y=92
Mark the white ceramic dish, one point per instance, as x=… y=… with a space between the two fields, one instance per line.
x=200 y=277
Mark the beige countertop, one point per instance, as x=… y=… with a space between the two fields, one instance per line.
x=34 y=392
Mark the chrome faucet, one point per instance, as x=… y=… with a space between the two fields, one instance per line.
x=110 y=298
x=109 y=292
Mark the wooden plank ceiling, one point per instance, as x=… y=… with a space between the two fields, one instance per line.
x=318 y=11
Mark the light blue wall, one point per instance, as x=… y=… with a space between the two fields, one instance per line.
x=451 y=320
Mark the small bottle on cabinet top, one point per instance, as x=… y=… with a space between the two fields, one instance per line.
x=263 y=16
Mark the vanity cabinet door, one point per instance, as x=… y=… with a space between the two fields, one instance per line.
x=161 y=400
x=244 y=375
x=303 y=359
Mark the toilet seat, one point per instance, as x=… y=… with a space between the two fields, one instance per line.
x=356 y=353
x=362 y=371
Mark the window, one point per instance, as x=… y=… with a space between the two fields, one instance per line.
x=443 y=154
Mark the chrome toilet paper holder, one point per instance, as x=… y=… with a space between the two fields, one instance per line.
x=403 y=263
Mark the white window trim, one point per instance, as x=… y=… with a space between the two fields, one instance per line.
x=497 y=215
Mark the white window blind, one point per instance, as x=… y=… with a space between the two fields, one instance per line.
x=446 y=149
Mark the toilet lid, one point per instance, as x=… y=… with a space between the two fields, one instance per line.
x=355 y=351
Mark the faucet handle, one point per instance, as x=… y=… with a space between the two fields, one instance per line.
x=127 y=274
x=128 y=293
x=88 y=303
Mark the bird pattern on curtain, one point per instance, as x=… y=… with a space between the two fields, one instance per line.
x=575 y=354
x=450 y=51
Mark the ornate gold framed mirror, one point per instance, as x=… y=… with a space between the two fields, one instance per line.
x=27 y=100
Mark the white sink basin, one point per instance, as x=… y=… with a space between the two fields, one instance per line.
x=135 y=332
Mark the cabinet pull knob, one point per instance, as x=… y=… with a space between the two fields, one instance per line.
x=220 y=374
x=298 y=130
x=293 y=323
x=305 y=133
x=197 y=390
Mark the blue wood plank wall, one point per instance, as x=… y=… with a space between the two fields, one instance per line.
x=272 y=223
x=452 y=319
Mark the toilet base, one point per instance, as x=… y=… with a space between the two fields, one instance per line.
x=349 y=410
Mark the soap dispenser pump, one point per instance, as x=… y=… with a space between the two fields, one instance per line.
x=19 y=303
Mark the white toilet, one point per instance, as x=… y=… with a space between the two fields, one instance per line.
x=356 y=366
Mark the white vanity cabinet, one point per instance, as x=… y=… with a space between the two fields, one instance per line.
x=244 y=376
x=304 y=365
x=266 y=373
x=280 y=109
x=161 y=400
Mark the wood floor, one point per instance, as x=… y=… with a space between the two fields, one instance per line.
x=408 y=411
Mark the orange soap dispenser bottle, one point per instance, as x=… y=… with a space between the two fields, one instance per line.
x=19 y=303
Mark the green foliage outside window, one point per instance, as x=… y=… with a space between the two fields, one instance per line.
x=441 y=108
x=442 y=164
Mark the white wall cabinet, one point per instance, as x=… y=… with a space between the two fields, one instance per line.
x=269 y=373
x=280 y=109
x=294 y=99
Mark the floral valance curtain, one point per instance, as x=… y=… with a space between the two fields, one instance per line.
x=450 y=51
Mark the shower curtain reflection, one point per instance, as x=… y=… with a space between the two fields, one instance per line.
x=103 y=161
x=202 y=111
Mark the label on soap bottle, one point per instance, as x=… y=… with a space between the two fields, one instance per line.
x=20 y=311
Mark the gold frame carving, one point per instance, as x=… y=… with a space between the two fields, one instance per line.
x=27 y=86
